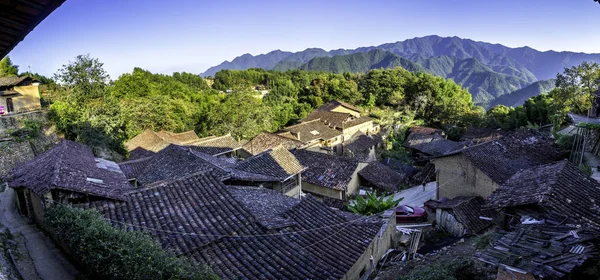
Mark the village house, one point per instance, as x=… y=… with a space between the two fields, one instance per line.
x=382 y=178
x=266 y=141
x=279 y=164
x=217 y=146
x=19 y=95
x=329 y=176
x=67 y=173
x=480 y=169
x=427 y=142
x=253 y=233
x=464 y=215
x=315 y=135
x=344 y=117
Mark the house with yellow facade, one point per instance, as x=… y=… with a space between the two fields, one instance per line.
x=18 y=95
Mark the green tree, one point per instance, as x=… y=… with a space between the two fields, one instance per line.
x=7 y=68
x=242 y=114
x=85 y=77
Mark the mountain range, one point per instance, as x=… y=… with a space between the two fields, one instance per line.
x=489 y=71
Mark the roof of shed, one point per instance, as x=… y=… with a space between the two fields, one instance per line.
x=467 y=210
x=548 y=252
x=72 y=167
x=559 y=186
x=329 y=171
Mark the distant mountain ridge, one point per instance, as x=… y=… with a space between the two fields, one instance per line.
x=488 y=70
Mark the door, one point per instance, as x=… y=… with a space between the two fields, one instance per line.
x=9 y=105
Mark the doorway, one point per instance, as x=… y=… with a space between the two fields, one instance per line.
x=9 y=105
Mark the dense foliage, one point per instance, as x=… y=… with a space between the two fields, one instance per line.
x=109 y=253
x=7 y=68
x=372 y=204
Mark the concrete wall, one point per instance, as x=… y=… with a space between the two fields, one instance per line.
x=28 y=99
x=354 y=184
x=39 y=208
x=366 y=128
x=378 y=247
x=458 y=176
x=321 y=191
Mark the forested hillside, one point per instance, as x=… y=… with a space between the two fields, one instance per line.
x=519 y=97
x=487 y=70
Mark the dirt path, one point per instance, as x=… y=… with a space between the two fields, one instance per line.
x=48 y=260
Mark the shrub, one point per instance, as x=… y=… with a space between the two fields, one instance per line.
x=372 y=204
x=110 y=253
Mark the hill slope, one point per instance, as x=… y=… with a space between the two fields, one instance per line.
x=519 y=97
x=360 y=62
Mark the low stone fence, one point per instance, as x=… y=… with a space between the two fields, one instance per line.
x=16 y=121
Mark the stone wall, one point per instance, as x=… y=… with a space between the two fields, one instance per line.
x=458 y=176
x=16 y=121
x=12 y=154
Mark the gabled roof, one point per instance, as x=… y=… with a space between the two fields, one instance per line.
x=502 y=158
x=8 y=82
x=325 y=170
x=336 y=103
x=383 y=177
x=19 y=18
x=177 y=161
x=216 y=145
x=266 y=141
x=133 y=168
x=146 y=141
x=179 y=138
x=467 y=210
x=400 y=166
x=244 y=232
x=277 y=162
x=547 y=252
x=560 y=187
x=312 y=130
x=419 y=135
x=72 y=167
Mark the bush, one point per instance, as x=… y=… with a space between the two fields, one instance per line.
x=31 y=129
x=372 y=204
x=110 y=253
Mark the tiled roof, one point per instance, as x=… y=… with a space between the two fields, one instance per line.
x=277 y=162
x=400 y=166
x=216 y=145
x=383 y=177
x=177 y=161
x=200 y=218
x=266 y=141
x=147 y=140
x=312 y=130
x=12 y=81
x=547 y=252
x=357 y=121
x=419 y=135
x=502 y=158
x=72 y=167
x=335 y=103
x=480 y=135
x=133 y=168
x=360 y=146
x=439 y=147
x=559 y=186
x=179 y=138
x=333 y=119
x=325 y=170
x=467 y=210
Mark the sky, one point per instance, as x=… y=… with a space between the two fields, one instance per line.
x=175 y=36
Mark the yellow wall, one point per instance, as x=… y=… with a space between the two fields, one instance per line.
x=342 y=109
x=458 y=176
x=28 y=99
x=321 y=191
x=355 y=182
x=366 y=128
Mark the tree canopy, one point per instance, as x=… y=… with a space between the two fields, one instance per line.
x=7 y=68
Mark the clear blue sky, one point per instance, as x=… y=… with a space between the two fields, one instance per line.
x=169 y=36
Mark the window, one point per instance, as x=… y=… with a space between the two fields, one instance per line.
x=9 y=105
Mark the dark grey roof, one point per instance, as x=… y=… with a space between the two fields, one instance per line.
x=361 y=145
x=9 y=82
x=133 y=168
x=502 y=158
x=72 y=167
x=332 y=119
x=560 y=187
x=278 y=163
x=176 y=161
x=548 y=252
x=325 y=170
x=400 y=166
x=383 y=177
x=479 y=135
x=439 y=147
x=203 y=219
x=467 y=210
